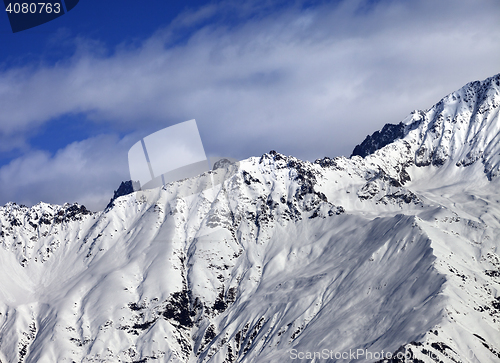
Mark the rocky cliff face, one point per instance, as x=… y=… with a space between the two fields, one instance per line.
x=379 y=139
x=391 y=255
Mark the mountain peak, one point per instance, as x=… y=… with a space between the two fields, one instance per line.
x=125 y=188
x=462 y=128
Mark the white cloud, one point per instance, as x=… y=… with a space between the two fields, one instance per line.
x=84 y=172
x=308 y=82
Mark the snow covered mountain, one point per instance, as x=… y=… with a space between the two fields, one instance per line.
x=389 y=256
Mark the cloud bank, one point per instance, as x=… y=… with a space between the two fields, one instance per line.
x=85 y=172
x=309 y=82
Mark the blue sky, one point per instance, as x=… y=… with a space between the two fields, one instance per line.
x=306 y=78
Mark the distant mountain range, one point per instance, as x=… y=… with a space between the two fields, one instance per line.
x=391 y=255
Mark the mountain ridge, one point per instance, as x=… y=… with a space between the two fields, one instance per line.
x=396 y=251
x=447 y=127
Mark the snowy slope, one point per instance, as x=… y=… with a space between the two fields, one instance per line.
x=393 y=252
